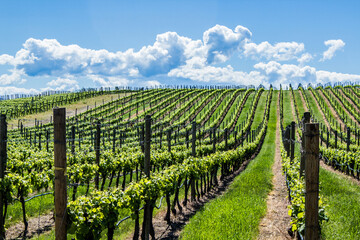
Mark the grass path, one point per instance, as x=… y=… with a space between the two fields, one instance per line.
x=276 y=221
x=237 y=213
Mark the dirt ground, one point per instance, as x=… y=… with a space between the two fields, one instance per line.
x=276 y=221
x=36 y=225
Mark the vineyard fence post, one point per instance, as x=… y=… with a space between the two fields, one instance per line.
x=169 y=140
x=97 y=151
x=348 y=139
x=114 y=139
x=292 y=142
x=47 y=140
x=73 y=140
x=193 y=152
x=305 y=119
x=327 y=139
x=60 y=197
x=40 y=140
x=214 y=140
x=226 y=138
x=142 y=139
x=147 y=209
x=336 y=138
x=311 y=136
x=193 y=146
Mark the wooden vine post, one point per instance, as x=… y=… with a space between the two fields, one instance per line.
x=348 y=139
x=327 y=139
x=47 y=140
x=60 y=197
x=169 y=140
x=97 y=151
x=287 y=140
x=292 y=142
x=73 y=139
x=142 y=139
x=336 y=138
x=311 y=137
x=193 y=153
x=226 y=138
x=114 y=139
x=214 y=140
x=306 y=119
x=148 y=208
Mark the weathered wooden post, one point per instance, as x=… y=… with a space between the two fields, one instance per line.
x=39 y=145
x=60 y=197
x=169 y=140
x=47 y=140
x=142 y=136
x=311 y=136
x=114 y=139
x=193 y=152
x=305 y=119
x=348 y=139
x=97 y=151
x=73 y=139
x=336 y=139
x=292 y=143
x=226 y=138
x=147 y=167
x=287 y=140
x=147 y=145
x=214 y=140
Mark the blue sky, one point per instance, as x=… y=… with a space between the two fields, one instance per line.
x=68 y=45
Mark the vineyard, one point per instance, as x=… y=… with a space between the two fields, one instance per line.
x=144 y=156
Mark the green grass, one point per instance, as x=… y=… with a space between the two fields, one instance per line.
x=312 y=101
x=288 y=116
x=33 y=207
x=236 y=214
x=245 y=109
x=260 y=109
x=342 y=199
x=233 y=109
x=299 y=102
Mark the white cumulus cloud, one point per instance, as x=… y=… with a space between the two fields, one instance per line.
x=282 y=51
x=62 y=84
x=277 y=73
x=6 y=59
x=16 y=77
x=333 y=45
x=305 y=57
x=15 y=90
x=199 y=71
x=221 y=42
x=111 y=81
x=333 y=77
